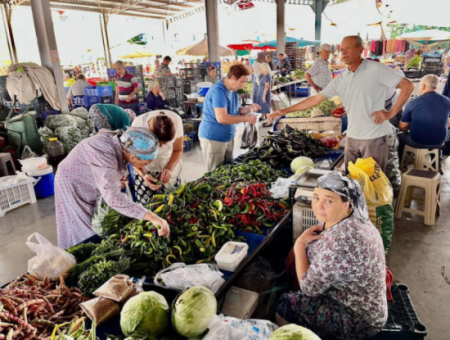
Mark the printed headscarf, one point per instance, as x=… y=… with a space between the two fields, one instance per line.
x=348 y=188
x=131 y=114
x=140 y=142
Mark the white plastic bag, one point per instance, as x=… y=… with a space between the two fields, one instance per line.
x=179 y=276
x=280 y=188
x=33 y=164
x=221 y=330
x=50 y=260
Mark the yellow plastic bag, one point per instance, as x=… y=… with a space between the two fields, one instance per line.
x=379 y=195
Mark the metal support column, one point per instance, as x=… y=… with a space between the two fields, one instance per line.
x=105 y=30
x=103 y=40
x=7 y=17
x=281 y=34
x=319 y=7
x=48 y=50
x=212 y=29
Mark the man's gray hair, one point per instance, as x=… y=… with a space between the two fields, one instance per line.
x=119 y=63
x=264 y=67
x=357 y=38
x=430 y=80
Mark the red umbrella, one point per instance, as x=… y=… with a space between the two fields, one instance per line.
x=241 y=46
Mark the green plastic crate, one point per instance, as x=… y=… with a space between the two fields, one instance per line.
x=107 y=83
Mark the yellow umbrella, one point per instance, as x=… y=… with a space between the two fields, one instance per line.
x=132 y=51
x=201 y=49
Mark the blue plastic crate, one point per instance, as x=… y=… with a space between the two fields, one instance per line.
x=80 y=100
x=112 y=72
x=187 y=145
x=93 y=100
x=107 y=100
x=98 y=91
x=142 y=107
x=193 y=136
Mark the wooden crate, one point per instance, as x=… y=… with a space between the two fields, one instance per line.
x=315 y=124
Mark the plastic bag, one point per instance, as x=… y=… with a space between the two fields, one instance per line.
x=100 y=309
x=50 y=260
x=179 y=276
x=20 y=177
x=33 y=164
x=280 y=188
x=221 y=330
x=379 y=195
x=250 y=136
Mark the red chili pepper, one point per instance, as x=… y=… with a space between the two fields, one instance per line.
x=282 y=205
x=253 y=189
x=170 y=222
x=195 y=204
x=230 y=190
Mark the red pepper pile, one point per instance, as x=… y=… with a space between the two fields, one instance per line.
x=254 y=207
x=339 y=112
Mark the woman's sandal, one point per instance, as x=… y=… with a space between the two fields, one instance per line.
x=266 y=125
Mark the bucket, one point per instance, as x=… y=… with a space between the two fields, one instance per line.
x=45 y=185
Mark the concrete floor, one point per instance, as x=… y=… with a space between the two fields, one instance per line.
x=416 y=257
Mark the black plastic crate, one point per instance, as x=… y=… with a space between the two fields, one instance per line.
x=403 y=322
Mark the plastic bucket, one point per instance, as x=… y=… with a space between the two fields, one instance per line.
x=45 y=185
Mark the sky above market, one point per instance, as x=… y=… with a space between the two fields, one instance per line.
x=79 y=38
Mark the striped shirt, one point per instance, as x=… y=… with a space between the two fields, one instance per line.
x=320 y=73
x=126 y=85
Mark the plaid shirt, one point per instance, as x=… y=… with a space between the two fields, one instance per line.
x=320 y=73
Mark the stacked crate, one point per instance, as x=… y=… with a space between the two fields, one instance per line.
x=296 y=56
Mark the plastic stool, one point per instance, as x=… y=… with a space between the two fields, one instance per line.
x=418 y=157
x=428 y=180
x=7 y=166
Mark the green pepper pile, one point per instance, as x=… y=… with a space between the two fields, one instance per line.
x=252 y=171
x=279 y=148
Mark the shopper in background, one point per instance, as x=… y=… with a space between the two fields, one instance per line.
x=168 y=127
x=157 y=64
x=221 y=112
x=362 y=88
x=126 y=88
x=77 y=89
x=283 y=65
x=110 y=117
x=155 y=97
x=95 y=169
x=339 y=266
x=163 y=69
x=211 y=77
x=263 y=92
x=255 y=81
x=425 y=119
x=391 y=99
x=319 y=74
x=269 y=61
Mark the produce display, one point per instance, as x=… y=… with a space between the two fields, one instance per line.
x=301 y=162
x=292 y=331
x=76 y=331
x=145 y=314
x=193 y=311
x=247 y=89
x=257 y=171
x=327 y=107
x=31 y=308
x=299 y=74
x=339 y=112
x=414 y=62
x=329 y=142
x=281 y=147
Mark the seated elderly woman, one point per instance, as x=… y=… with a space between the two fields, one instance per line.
x=155 y=98
x=340 y=266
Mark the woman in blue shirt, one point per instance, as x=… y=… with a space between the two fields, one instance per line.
x=221 y=112
x=155 y=98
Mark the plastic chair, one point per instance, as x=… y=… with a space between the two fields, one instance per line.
x=7 y=166
x=421 y=159
x=430 y=181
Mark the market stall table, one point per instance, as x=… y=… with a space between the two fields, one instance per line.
x=282 y=85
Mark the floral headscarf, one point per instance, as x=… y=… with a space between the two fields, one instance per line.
x=140 y=142
x=348 y=188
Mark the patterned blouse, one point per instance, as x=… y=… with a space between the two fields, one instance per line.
x=93 y=169
x=348 y=264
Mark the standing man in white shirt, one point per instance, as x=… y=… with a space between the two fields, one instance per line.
x=319 y=75
x=362 y=88
x=77 y=89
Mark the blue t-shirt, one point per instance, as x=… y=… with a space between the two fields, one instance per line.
x=218 y=96
x=428 y=118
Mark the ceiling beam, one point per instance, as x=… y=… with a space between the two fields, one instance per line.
x=160 y=8
x=172 y=3
x=57 y=5
x=124 y=6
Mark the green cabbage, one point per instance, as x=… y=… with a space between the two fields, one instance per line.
x=293 y=332
x=300 y=162
x=146 y=313
x=193 y=311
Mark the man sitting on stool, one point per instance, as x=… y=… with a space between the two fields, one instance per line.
x=426 y=118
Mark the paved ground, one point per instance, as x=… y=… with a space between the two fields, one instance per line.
x=417 y=255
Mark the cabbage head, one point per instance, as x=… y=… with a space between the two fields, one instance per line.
x=293 y=332
x=146 y=313
x=301 y=161
x=193 y=311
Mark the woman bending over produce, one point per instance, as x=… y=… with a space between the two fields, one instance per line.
x=340 y=267
x=94 y=169
x=168 y=127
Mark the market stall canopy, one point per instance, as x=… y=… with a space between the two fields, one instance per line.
x=419 y=12
x=244 y=47
x=201 y=49
x=425 y=37
x=300 y=43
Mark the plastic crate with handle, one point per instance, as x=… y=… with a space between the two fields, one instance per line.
x=303 y=218
x=15 y=195
x=98 y=91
